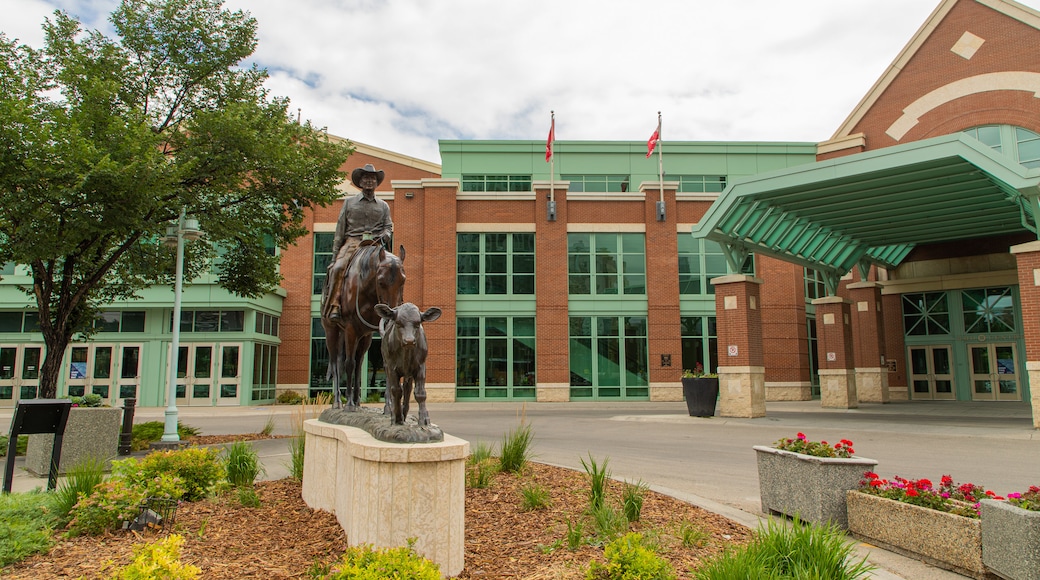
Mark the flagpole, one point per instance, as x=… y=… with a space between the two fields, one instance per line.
x=660 y=160
x=552 y=158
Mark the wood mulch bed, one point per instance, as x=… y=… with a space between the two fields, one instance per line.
x=283 y=538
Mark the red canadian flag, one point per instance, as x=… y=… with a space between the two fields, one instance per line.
x=651 y=144
x=549 y=141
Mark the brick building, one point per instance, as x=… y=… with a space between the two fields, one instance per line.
x=896 y=260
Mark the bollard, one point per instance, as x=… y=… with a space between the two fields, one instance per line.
x=127 y=434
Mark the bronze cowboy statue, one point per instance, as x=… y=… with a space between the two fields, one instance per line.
x=364 y=273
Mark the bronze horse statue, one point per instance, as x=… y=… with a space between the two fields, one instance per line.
x=373 y=276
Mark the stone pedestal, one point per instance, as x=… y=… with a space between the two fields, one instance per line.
x=385 y=493
x=91 y=433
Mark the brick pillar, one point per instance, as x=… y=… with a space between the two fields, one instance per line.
x=868 y=348
x=1028 y=256
x=834 y=333
x=552 y=364
x=742 y=372
x=664 y=333
x=427 y=232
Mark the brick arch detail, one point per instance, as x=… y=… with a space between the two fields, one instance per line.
x=998 y=81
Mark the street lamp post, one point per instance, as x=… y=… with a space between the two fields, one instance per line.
x=186 y=229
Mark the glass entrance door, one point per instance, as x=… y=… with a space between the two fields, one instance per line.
x=994 y=372
x=19 y=373
x=195 y=376
x=129 y=373
x=931 y=373
x=230 y=374
x=91 y=371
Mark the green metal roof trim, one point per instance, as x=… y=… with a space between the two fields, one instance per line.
x=874 y=207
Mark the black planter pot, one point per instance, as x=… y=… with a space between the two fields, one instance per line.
x=701 y=395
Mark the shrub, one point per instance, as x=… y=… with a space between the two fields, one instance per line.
x=289 y=398
x=365 y=563
x=516 y=449
x=535 y=497
x=23 y=442
x=199 y=468
x=79 y=483
x=242 y=464
x=89 y=400
x=628 y=559
x=957 y=498
x=119 y=499
x=1028 y=500
x=144 y=433
x=632 y=499
x=158 y=560
x=801 y=444
x=110 y=504
x=25 y=526
x=598 y=476
x=801 y=551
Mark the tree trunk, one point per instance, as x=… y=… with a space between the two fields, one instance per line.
x=50 y=370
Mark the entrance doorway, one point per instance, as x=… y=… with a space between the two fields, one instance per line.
x=19 y=373
x=198 y=382
x=931 y=373
x=994 y=372
x=111 y=371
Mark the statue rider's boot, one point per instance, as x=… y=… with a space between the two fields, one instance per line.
x=334 y=312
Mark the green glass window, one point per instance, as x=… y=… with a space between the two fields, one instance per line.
x=119 y=321
x=700 y=344
x=322 y=258
x=596 y=183
x=988 y=310
x=700 y=183
x=495 y=263
x=813 y=284
x=926 y=314
x=609 y=357
x=701 y=260
x=1019 y=144
x=10 y=321
x=497 y=183
x=606 y=264
x=265 y=372
x=495 y=357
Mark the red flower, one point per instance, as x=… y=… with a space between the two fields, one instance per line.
x=911 y=492
x=801 y=436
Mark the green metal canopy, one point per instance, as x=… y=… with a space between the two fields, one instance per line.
x=874 y=207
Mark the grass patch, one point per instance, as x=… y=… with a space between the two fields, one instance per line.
x=598 y=476
x=242 y=464
x=79 y=483
x=798 y=551
x=23 y=442
x=144 y=434
x=25 y=525
x=516 y=448
x=535 y=497
x=632 y=496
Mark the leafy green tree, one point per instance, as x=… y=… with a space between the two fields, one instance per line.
x=103 y=140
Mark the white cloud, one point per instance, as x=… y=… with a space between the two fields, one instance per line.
x=400 y=74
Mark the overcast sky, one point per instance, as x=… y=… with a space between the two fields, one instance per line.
x=401 y=74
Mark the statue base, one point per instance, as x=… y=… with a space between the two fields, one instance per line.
x=381 y=426
x=384 y=493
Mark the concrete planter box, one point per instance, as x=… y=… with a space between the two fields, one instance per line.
x=939 y=538
x=813 y=488
x=1010 y=540
x=90 y=432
